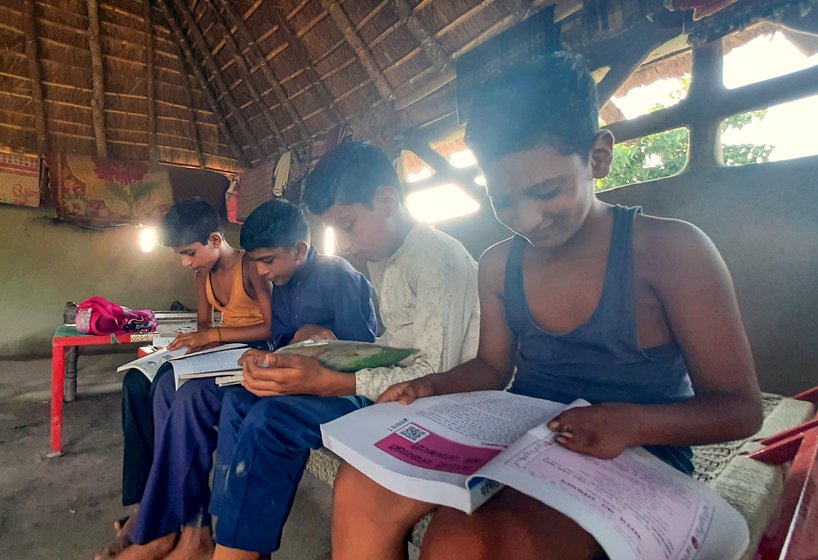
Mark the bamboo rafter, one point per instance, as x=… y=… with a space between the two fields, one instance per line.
x=30 y=28
x=150 y=86
x=361 y=50
x=191 y=112
x=197 y=71
x=236 y=20
x=221 y=86
x=304 y=61
x=247 y=80
x=98 y=99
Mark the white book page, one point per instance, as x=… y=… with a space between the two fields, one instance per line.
x=208 y=363
x=151 y=363
x=635 y=505
x=426 y=450
x=225 y=380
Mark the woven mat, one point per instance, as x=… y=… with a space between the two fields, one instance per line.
x=710 y=460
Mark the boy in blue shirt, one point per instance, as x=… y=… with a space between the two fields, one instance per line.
x=633 y=313
x=314 y=296
x=427 y=290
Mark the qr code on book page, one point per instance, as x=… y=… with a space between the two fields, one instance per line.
x=413 y=433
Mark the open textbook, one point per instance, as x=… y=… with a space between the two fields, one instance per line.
x=151 y=363
x=213 y=362
x=458 y=450
x=221 y=362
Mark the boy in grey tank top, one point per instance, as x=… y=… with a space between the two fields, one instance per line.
x=634 y=313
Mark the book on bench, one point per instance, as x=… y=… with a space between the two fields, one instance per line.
x=459 y=450
x=221 y=362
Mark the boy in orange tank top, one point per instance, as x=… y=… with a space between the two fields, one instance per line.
x=226 y=281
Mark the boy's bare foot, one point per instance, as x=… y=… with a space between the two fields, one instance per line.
x=195 y=543
x=122 y=540
x=154 y=550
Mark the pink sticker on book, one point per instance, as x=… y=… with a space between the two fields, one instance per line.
x=419 y=447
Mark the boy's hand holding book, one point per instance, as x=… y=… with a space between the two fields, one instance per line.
x=282 y=374
x=408 y=391
x=603 y=430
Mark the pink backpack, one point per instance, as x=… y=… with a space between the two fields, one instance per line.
x=97 y=315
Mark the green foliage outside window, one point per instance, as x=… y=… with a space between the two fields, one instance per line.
x=665 y=154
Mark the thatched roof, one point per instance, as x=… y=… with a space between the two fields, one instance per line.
x=225 y=84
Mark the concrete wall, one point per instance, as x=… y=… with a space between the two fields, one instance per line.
x=764 y=220
x=44 y=263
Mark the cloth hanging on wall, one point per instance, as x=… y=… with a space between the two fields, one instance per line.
x=104 y=192
x=255 y=187
x=282 y=173
x=19 y=180
x=231 y=201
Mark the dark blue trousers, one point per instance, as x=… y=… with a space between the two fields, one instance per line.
x=264 y=444
x=177 y=491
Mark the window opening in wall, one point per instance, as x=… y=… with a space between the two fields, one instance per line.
x=444 y=201
x=778 y=133
x=764 y=52
x=441 y=203
x=650 y=157
x=656 y=85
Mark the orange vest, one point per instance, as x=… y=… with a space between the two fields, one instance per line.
x=241 y=310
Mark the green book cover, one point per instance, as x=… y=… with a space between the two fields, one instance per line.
x=343 y=355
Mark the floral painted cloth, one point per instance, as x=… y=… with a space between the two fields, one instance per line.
x=102 y=192
x=19 y=180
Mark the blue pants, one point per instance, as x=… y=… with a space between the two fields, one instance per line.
x=264 y=444
x=177 y=491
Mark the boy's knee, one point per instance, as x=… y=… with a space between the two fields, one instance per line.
x=389 y=509
x=134 y=383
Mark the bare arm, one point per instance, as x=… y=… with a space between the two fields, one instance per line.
x=697 y=294
x=204 y=311
x=694 y=287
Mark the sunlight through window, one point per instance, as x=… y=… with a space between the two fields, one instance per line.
x=424 y=173
x=439 y=204
x=463 y=158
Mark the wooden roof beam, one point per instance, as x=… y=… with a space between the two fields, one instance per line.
x=98 y=92
x=352 y=38
x=306 y=63
x=197 y=141
x=241 y=64
x=30 y=30
x=443 y=63
x=150 y=85
x=244 y=33
x=197 y=71
x=221 y=86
